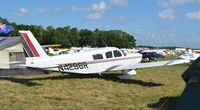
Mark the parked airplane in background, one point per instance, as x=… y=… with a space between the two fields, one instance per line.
x=158 y=51
x=57 y=51
x=87 y=62
x=189 y=56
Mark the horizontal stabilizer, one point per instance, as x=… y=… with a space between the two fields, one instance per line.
x=17 y=62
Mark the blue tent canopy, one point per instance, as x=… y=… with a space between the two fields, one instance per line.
x=5 y=29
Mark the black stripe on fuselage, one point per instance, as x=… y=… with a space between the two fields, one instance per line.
x=99 y=61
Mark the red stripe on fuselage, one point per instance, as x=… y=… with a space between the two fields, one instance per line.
x=30 y=44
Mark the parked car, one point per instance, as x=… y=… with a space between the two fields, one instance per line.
x=151 y=55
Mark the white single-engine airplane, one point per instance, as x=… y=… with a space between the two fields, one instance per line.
x=86 y=62
x=189 y=56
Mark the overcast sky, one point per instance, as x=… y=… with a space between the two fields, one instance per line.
x=152 y=22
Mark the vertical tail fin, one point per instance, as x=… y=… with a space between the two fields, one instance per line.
x=31 y=45
x=190 y=52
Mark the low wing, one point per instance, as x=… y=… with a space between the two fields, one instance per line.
x=160 y=63
x=152 y=64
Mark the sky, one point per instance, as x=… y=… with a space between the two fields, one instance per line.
x=151 y=22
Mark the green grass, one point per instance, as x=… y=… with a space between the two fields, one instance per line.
x=151 y=88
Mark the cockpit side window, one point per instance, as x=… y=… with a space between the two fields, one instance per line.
x=97 y=56
x=124 y=53
x=109 y=54
x=117 y=53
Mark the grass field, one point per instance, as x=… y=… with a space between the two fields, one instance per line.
x=151 y=88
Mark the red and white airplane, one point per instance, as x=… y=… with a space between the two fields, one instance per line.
x=86 y=62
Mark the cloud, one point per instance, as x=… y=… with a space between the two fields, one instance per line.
x=78 y=9
x=94 y=12
x=42 y=10
x=120 y=2
x=57 y=9
x=193 y=15
x=173 y=4
x=167 y=14
x=162 y=35
x=170 y=3
x=95 y=7
x=183 y=1
x=145 y=37
x=101 y=7
x=49 y=10
x=20 y=12
x=123 y=20
x=97 y=10
x=94 y=16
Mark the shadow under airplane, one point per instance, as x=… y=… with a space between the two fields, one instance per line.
x=107 y=76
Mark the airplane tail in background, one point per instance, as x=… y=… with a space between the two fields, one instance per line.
x=190 y=53
x=31 y=45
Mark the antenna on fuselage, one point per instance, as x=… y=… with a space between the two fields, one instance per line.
x=104 y=43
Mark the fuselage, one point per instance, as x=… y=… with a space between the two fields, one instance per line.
x=91 y=61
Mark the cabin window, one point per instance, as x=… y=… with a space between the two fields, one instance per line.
x=109 y=54
x=124 y=53
x=97 y=56
x=117 y=53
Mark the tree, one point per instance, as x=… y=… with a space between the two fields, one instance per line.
x=74 y=37
x=15 y=32
x=68 y=37
x=118 y=38
x=99 y=38
x=64 y=41
x=4 y=21
x=87 y=38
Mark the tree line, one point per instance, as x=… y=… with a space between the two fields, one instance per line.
x=72 y=37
